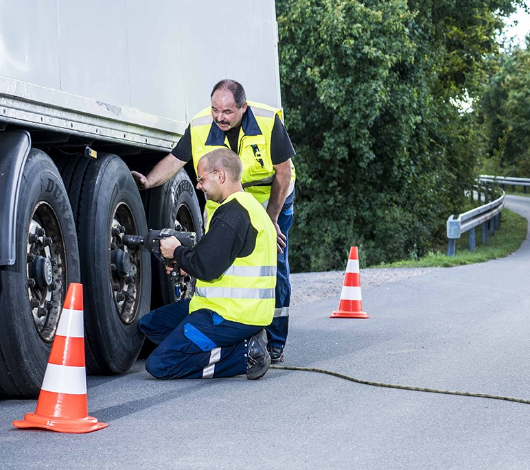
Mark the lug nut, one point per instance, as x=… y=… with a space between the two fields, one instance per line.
x=49 y=305
x=31 y=257
x=34 y=303
x=47 y=241
x=40 y=231
x=32 y=238
x=31 y=282
x=120 y=297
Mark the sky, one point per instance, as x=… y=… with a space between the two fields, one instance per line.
x=521 y=30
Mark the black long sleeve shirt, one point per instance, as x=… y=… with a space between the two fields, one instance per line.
x=230 y=236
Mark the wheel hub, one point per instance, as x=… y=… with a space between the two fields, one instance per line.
x=121 y=261
x=42 y=270
x=124 y=265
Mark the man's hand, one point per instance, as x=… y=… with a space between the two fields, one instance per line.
x=280 y=241
x=171 y=268
x=168 y=245
x=161 y=173
x=141 y=180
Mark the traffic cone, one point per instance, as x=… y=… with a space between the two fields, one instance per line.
x=351 y=304
x=62 y=404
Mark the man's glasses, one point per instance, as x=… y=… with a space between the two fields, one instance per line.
x=200 y=178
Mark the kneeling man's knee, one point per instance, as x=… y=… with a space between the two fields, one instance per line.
x=154 y=366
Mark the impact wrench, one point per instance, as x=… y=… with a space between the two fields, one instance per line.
x=151 y=242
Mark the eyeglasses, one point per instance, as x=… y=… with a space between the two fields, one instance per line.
x=200 y=178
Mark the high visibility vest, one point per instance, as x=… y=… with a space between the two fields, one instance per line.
x=244 y=293
x=254 y=147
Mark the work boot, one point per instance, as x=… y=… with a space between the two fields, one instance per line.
x=258 y=361
x=276 y=354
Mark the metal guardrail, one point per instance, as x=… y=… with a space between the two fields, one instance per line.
x=504 y=181
x=467 y=221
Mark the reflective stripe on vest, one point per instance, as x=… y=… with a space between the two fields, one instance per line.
x=234 y=293
x=250 y=271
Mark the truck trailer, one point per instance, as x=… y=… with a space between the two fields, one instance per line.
x=88 y=92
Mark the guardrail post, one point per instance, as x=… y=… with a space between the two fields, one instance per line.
x=482 y=215
x=453 y=232
x=472 y=239
x=451 y=247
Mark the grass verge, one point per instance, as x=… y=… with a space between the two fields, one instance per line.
x=506 y=240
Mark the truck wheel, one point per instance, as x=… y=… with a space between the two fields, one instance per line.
x=32 y=291
x=116 y=278
x=173 y=205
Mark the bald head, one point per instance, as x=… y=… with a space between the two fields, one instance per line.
x=224 y=159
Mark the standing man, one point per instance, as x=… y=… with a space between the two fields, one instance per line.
x=219 y=333
x=256 y=133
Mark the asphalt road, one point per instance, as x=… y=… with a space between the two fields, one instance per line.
x=463 y=329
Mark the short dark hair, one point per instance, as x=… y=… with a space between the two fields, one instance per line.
x=237 y=90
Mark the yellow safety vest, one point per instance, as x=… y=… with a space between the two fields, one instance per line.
x=244 y=293
x=253 y=144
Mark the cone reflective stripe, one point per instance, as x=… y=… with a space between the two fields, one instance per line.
x=62 y=405
x=351 y=304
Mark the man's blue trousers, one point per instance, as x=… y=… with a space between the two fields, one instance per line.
x=278 y=329
x=201 y=344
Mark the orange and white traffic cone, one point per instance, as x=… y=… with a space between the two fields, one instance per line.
x=351 y=304
x=62 y=405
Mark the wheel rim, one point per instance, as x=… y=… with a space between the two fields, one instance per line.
x=184 y=221
x=46 y=270
x=125 y=264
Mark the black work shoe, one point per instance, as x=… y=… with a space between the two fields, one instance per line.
x=258 y=361
x=276 y=354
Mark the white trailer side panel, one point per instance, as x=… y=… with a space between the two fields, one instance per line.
x=129 y=70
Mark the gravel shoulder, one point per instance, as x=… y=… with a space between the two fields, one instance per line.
x=309 y=287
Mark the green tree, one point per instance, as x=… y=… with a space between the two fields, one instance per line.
x=506 y=115
x=371 y=92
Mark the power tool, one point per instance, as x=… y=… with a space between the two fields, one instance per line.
x=151 y=241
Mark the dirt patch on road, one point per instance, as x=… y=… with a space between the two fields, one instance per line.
x=309 y=287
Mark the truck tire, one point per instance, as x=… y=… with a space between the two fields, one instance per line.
x=117 y=279
x=173 y=205
x=32 y=291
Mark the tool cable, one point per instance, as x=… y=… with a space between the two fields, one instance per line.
x=402 y=387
